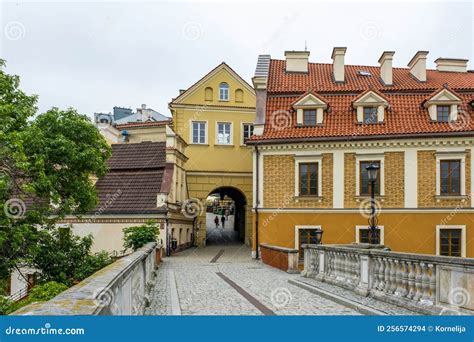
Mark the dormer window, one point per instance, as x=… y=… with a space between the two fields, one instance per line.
x=370 y=115
x=370 y=107
x=443 y=106
x=309 y=117
x=310 y=109
x=442 y=114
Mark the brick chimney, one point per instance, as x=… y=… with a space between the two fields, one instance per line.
x=338 y=54
x=417 y=66
x=386 y=72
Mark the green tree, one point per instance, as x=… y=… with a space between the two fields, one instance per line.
x=46 y=164
x=136 y=237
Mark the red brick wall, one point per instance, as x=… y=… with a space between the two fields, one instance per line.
x=277 y=259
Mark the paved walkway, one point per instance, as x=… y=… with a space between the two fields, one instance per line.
x=224 y=280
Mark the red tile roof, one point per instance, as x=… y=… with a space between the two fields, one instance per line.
x=405 y=116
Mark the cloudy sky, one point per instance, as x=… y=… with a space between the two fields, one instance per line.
x=95 y=55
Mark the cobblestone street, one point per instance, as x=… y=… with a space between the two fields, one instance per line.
x=224 y=280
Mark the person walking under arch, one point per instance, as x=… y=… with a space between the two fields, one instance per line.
x=216 y=221
x=223 y=221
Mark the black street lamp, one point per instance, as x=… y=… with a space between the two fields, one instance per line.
x=319 y=236
x=372 y=172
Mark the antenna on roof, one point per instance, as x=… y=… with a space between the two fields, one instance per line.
x=305 y=46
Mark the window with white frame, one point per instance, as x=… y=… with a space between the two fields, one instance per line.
x=305 y=235
x=198 y=132
x=247 y=132
x=224 y=133
x=362 y=182
x=224 y=92
x=451 y=173
x=308 y=176
x=362 y=234
x=451 y=240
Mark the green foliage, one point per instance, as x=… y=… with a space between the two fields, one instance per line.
x=136 y=237
x=66 y=258
x=6 y=306
x=46 y=291
x=48 y=158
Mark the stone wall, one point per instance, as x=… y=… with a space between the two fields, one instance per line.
x=121 y=288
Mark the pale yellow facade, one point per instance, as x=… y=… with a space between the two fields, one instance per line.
x=212 y=164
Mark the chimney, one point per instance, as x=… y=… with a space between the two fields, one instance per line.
x=297 y=61
x=417 y=65
x=143 y=106
x=451 y=64
x=181 y=91
x=338 y=54
x=386 y=67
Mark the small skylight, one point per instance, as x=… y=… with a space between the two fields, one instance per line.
x=364 y=73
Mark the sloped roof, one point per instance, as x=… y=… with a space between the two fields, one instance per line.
x=405 y=116
x=135 y=178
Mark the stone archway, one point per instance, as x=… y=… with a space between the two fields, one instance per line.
x=229 y=203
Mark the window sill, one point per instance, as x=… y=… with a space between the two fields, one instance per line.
x=224 y=145
x=457 y=197
x=364 y=197
x=309 y=126
x=198 y=144
x=224 y=100
x=309 y=198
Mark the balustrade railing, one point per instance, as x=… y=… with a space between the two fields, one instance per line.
x=426 y=283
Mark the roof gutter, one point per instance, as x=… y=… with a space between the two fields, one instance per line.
x=359 y=138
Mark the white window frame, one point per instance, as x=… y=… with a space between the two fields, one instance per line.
x=357 y=233
x=451 y=156
x=297 y=234
x=231 y=133
x=463 y=237
x=220 y=92
x=370 y=157
x=242 y=139
x=309 y=159
x=206 y=132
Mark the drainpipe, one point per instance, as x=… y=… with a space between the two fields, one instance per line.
x=257 y=200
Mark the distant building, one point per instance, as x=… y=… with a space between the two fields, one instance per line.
x=122 y=115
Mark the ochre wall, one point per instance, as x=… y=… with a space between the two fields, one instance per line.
x=279 y=183
x=404 y=232
x=427 y=182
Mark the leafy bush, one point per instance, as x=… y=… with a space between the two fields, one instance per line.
x=6 y=305
x=46 y=291
x=66 y=258
x=92 y=264
x=136 y=237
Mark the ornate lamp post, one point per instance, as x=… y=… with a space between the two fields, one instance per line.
x=372 y=172
x=319 y=236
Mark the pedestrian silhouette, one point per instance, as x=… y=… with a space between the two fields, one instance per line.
x=223 y=221
x=216 y=221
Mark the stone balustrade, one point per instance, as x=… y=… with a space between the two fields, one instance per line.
x=425 y=283
x=121 y=288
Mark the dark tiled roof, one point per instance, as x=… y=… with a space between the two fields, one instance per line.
x=134 y=180
x=145 y=155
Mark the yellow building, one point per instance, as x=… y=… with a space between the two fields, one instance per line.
x=215 y=116
x=322 y=125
